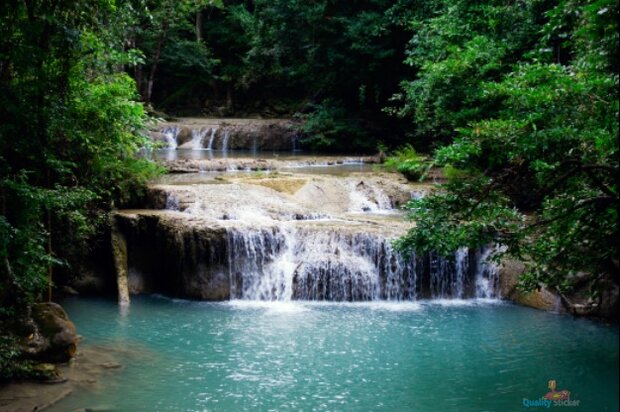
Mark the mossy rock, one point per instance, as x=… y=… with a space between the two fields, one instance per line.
x=56 y=338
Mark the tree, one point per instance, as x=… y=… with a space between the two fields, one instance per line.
x=456 y=47
x=68 y=141
x=539 y=175
x=169 y=34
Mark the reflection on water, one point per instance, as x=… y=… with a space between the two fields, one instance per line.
x=333 y=170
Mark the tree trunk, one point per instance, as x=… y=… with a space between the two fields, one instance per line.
x=158 y=48
x=199 y=26
x=50 y=253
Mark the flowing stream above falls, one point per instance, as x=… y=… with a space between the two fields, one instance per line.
x=293 y=231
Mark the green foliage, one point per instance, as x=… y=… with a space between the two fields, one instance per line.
x=455 y=49
x=406 y=161
x=455 y=216
x=453 y=174
x=69 y=141
x=10 y=364
x=538 y=175
x=336 y=61
x=328 y=126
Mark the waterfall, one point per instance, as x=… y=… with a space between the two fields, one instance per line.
x=284 y=263
x=171 y=134
x=299 y=263
x=487 y=274
x=225 y=140
x=461 y=266
x=211 y=138
x=198 y=137
x=249 y=253
x=240 y=240
x=301 y=260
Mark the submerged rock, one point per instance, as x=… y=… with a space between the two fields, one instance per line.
x=84 y=372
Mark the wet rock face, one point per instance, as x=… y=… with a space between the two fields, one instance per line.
x=580 y=301
x=53 y=337
x=167 y=257
x=201 y=257
x=289 y=235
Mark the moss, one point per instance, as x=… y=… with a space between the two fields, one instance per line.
x=15 y=365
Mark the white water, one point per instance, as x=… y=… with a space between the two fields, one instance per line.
x=198 y=137
x=487 y=274
x=225 y=140
x=211 y=138
x=171 y=134
x=285 y=263
x=368 y=198
x=329 y=241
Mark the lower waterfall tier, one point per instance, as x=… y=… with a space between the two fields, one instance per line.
x=339 y=260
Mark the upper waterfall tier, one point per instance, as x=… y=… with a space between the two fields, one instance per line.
x=228 y=134
x=283 y=236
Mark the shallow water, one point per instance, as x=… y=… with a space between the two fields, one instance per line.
x=216 y=177
x=424 y=356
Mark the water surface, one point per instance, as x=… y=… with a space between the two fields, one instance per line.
x=425 y=356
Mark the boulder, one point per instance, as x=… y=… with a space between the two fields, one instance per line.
x=580 y=302
x=53 y=337
x=510 y=271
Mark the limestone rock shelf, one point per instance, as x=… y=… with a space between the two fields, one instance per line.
x=286 y=236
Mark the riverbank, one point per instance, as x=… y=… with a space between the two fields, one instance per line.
x=92 y=363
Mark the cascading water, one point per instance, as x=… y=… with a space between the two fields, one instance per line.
x=487 y=274
x=300 y=263
x=225 y=140
x=171 y=134
x=198 y=137
x=303 y=263
x=461 y=266
x=211 y=138
x=246 y=241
